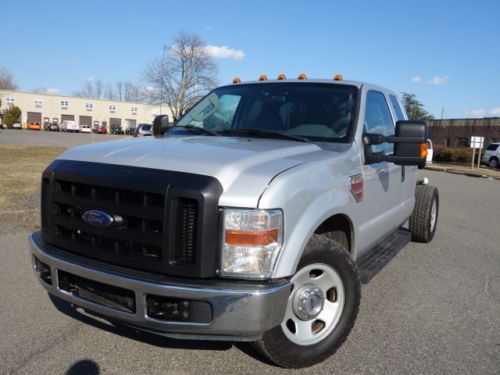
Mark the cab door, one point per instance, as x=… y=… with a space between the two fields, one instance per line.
x=383 y=181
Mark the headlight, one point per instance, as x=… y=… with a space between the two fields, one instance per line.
x=252 y=242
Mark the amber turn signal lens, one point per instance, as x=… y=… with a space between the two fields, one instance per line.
x=236 y=80
x=302 y=76
x=281 y=77
x=251 y=238
x=423 y=150
x=262 y=77
x=338 y=77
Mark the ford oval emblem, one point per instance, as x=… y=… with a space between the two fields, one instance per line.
x=98 y=218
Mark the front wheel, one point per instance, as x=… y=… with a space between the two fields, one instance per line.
x=423 y=219
x=321 y=309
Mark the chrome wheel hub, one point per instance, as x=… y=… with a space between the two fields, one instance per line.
x=315 y=305
x=308 y=301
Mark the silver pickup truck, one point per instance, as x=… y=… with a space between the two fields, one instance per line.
x=255 y=218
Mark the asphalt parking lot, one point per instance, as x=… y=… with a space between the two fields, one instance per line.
x=42 y=138
x=435 y=309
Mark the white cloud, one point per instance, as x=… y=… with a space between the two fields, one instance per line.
x=476 y=112
x=52 y=90
x=224 y=52
x=416 y=78
x=495 y=111
x=439 y=80
x=90 y=78
x=482 y=112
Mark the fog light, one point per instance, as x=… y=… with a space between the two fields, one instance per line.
x=43 y=271
x=178 y=310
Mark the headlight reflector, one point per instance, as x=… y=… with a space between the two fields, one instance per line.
x=252 y=241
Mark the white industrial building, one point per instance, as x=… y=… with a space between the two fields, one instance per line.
x=48 y=108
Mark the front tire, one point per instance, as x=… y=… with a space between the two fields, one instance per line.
x=321 y=309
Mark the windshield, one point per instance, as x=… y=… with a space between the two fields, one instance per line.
x=146 y=127
x=315 y=111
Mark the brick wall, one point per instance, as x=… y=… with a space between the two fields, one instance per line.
x=457 y=132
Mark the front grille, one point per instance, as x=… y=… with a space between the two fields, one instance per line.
x=185 y=245
x=139 y=237
x=164 y=222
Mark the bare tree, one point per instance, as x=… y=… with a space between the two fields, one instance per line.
x=109 y=92
x=185 y=74
x=99 y=88
x=132 y=93
x=119 y=90
x=7 y=80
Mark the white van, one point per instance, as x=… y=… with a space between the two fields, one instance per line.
x=85 y=129
x=70 y=126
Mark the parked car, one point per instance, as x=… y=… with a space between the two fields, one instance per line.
x=54 y=127
x=130 y=131
x=492 y=155
x=242 y=227
x=34 y=126
x=17 y=126
x=85 y=129
x=116 y=129
x=101 y=130
x=144 y=130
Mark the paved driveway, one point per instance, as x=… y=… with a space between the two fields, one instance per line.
x=435 y=309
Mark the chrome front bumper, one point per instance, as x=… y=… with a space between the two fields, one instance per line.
x=240 y=311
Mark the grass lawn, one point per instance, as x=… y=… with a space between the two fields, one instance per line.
x=20 y=173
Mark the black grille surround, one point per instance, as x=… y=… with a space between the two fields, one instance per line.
x=170 y=219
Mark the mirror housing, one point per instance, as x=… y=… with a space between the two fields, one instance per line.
x=160 y=125
x=410 y=144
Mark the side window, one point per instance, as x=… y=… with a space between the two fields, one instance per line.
x=397 y=107
x=378 y=120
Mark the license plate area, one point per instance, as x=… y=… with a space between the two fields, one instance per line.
x=109 y=296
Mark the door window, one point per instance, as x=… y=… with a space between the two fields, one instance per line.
x=378 y=120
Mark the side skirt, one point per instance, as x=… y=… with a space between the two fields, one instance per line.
x=382 y=254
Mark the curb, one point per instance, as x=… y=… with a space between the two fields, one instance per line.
x=463 y=173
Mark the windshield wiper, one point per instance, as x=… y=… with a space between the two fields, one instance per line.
x=256 y=131
x=197 y=129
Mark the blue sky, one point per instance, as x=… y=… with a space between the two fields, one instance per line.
x=446 y=52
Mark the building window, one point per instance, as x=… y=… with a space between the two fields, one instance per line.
x=112 y=108
x=10 y=99
x=64 y=103
x=134 y=109
x=462 y=141
x=89 y=106
x=38 y=102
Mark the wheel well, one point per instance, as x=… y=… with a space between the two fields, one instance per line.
x=338 y=228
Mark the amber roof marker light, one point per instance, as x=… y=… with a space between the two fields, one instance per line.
x=236 y=80
x=338 y=77
x=281 y=77
x=302 y=76
x=262 y=77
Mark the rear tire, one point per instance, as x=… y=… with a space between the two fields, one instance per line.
x=494 y=163
x=328 y=266
x=423 y=219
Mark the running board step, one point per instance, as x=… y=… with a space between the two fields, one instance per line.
x=379 y=257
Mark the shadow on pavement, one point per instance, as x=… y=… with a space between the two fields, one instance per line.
x=84 y=366
x=103 y=323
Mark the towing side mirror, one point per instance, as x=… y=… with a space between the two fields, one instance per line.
x=410 y=144
x=160 y=125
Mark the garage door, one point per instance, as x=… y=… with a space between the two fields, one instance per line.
x=115 y=122
x=130 y=123
x=86 y=120
x=34 y=117
x=67 y=118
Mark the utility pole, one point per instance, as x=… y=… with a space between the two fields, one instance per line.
x=161 y=79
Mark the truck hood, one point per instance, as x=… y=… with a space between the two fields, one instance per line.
x=244 y=166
